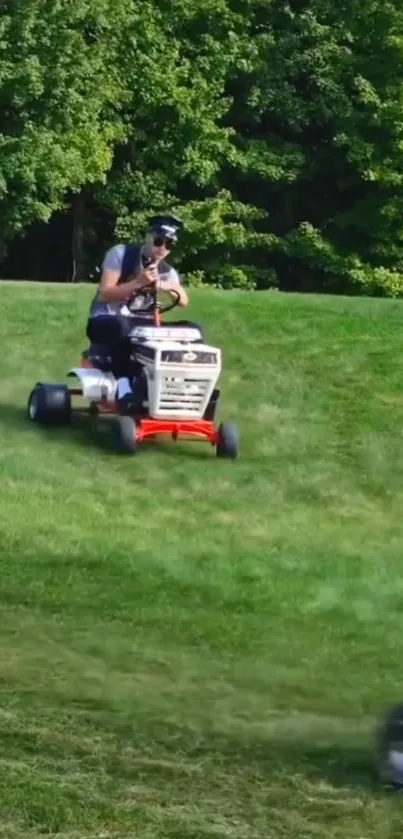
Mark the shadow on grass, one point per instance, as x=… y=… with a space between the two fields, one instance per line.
x=160 y=753
x=341 y=765
x=98 y=432
x=84 y=429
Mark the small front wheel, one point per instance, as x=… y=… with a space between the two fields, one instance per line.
x=50 y=404
x=228 y=440
x=126 y=435
x=390 y=748
x=93 y=409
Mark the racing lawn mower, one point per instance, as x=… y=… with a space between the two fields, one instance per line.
x=175 y=378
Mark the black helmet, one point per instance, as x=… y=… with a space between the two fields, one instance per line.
x=165 y=225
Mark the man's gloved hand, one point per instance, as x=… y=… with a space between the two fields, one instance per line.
x=148 y=276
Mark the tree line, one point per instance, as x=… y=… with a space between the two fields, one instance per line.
x=273 y=128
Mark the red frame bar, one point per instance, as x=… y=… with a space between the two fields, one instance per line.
x=149 y=427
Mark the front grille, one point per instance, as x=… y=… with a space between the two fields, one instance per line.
x=182 y=394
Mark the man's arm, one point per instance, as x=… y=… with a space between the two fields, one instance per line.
x=173 y=283
x=109 y=290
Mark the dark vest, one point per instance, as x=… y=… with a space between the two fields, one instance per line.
x=131 y=266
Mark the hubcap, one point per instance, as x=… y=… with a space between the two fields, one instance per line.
x=33 y=406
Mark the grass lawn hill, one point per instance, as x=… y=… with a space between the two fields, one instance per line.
x=193 y=648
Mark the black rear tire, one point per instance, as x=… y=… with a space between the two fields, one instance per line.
x=228 y=440
x=126 y=435
x=50 y=404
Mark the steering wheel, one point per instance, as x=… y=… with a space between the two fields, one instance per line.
x=160 y=307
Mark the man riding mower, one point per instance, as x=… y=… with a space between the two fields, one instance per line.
x=131 y=278
x=156 y=378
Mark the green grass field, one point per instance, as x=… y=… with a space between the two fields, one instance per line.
x=194 y=648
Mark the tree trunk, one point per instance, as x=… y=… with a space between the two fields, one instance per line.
x=78 y=213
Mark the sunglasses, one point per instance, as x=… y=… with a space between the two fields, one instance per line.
x=160 y=241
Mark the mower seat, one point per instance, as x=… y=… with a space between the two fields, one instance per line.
x=99 y=356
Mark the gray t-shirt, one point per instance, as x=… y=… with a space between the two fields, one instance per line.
x=142 y=304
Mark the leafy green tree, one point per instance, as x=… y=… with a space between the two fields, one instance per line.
x=318 y=113
x=60 y=102
x=274 y=128
x=177 y=58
